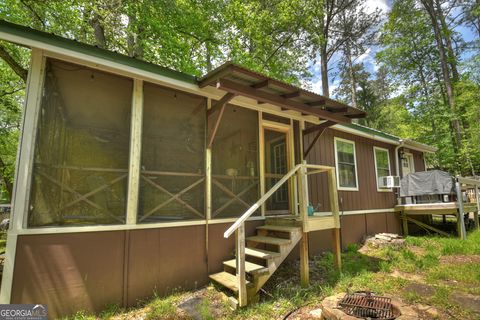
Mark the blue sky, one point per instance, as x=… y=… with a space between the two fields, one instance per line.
x=368 y=58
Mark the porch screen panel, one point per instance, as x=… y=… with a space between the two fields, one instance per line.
x=235 y=171
x=172 y=182
x=82 y=148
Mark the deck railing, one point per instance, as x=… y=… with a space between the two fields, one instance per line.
x=300 y=171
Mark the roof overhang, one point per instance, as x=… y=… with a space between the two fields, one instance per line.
x=241 y=81
x=411 y=144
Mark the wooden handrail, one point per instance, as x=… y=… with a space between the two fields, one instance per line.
x=260 y=201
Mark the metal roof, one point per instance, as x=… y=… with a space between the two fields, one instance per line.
x=239 y=80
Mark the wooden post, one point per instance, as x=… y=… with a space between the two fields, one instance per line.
x=24 y=167
x=241 y=280
x=208 y=200
x=303 y=198
x=405 y=223
x=337 y=250
x=333 y=197
x=135 y=151
x=304 y=267
x=462 y=234
x=475 y=215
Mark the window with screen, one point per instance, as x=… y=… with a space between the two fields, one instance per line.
x=346 y=166
x=382 y=163
x=81 y=154
x=172 y=180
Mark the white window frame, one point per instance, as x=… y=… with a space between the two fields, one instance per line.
x=375 y=148
x=354 y=160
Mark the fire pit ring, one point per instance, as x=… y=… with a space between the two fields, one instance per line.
x=366 y=305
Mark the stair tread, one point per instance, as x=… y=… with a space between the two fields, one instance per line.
x=269 y=240
x=249 y=266
x=262 y=254
x=227 y=280
x=278 y=228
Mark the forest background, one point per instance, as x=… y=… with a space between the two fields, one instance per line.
x=412 y=65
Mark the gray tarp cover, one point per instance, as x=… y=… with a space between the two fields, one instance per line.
x=425 y=183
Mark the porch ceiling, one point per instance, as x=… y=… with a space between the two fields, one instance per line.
x=241 y=81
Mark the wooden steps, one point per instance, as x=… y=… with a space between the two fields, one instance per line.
x=278 y=228
x=269 y=240
x=227 y=280
x=261 y=254
x=260 y=264
x=250 y=267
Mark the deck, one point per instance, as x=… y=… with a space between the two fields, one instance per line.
x=434 y=208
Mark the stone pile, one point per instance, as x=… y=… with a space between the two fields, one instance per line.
x=385 y=239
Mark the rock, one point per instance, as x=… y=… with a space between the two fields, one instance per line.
x=316 y=313
x=432 y=312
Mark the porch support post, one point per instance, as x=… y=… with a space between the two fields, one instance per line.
x=475 y=215
x=303 y=197
x=135 y=151
x=462 y=234
x=208 y=192
x=241 y=278
x=24 y=167
x=332 y=186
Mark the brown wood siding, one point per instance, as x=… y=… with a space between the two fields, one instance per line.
x=367 y=197
x=91 y=270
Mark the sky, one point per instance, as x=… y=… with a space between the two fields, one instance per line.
x=368 y=58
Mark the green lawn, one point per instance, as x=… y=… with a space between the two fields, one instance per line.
x=434 y=271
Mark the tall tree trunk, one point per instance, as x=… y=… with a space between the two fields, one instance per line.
x=324 y=70
x=98 y=30
x=452 y=59
x=455 y=123
x=353 y=82
x=208 y=57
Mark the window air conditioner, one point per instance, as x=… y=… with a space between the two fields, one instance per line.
x=389 y=182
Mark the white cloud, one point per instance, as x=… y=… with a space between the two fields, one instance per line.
x=365 y=56
x=371 y=5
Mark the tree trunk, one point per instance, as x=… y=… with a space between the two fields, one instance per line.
x=324 y=70
x=455 y=123
x=452 y=59
x=12 y=63
x=353 y=82
x=98 y=30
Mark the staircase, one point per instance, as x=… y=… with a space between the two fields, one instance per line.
x=263 y=255
x=259 y=256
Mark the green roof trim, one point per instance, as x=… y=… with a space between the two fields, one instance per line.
x=69 y=44
x=372 y=131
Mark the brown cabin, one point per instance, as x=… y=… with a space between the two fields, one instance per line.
x=133 y=179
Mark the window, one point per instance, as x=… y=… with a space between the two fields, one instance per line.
x=346 y=165
x=382 y=164
x=81 y=153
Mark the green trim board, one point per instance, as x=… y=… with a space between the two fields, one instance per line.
x=54 y=40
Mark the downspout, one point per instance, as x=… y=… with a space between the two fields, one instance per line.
x=397 y=165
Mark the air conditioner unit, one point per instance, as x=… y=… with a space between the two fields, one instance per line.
x=389 y=182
